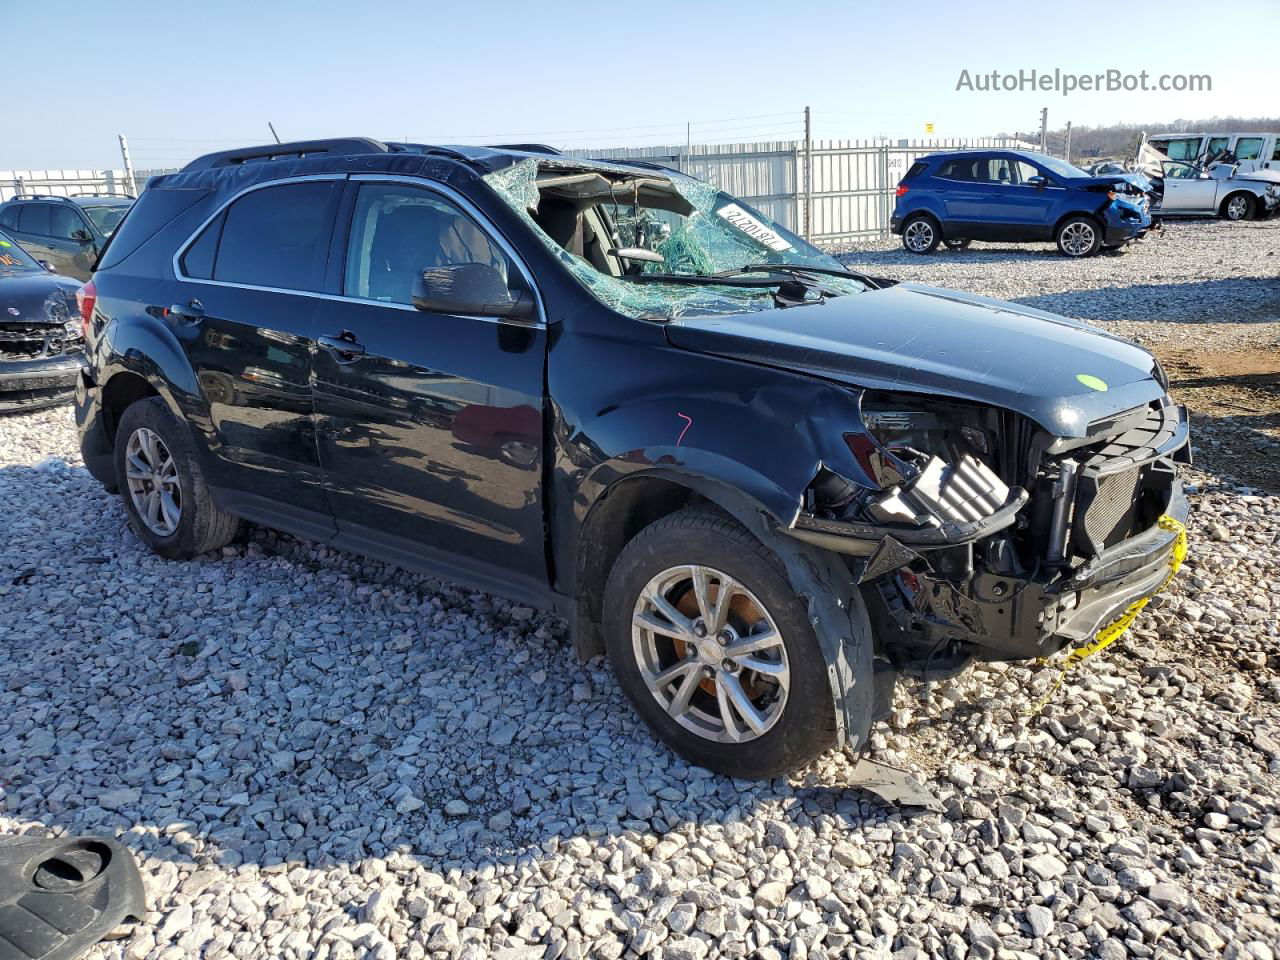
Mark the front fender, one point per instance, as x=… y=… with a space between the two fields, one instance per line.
x=767 y=442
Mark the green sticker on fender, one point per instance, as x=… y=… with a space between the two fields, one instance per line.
x=1092 y=382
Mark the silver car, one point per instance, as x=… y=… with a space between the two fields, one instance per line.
x=1191 y=189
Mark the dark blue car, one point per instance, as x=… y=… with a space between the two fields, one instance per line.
x=1012 y=195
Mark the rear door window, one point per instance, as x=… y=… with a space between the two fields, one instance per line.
x=1248 y=148
x=34 y=219
x=1216 y=146
x=277 y=237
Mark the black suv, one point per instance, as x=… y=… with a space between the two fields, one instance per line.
x=68 y=233
x=764 y=485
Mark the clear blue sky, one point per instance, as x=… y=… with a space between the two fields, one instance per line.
x=180 y=79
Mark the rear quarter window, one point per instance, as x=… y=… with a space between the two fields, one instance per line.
x=155 y=209
x=9 y=217
x=915 y=170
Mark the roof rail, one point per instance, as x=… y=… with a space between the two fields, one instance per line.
x=295 y=150
x=526 y=148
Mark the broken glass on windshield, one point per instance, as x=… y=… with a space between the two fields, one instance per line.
x=662 y=245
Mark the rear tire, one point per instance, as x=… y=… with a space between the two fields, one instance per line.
x=1238 y=206
x=163 y=488
x=779 y=666
x=1079 y=237
x=921 y=234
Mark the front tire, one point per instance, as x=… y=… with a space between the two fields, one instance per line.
x=709 y=641
x=1079 y=237
x=920 y=234
x=163 y=488
x=1238 y=206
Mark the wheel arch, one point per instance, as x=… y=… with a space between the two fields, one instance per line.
x=622 y=510
x=1247 y=194
x=1089 y=214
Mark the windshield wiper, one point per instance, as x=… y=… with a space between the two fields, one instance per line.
x=797 y=269
x=709 y=280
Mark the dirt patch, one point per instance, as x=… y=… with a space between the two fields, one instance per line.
x=1234 y=397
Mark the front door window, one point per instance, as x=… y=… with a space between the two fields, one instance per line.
x=398 y=231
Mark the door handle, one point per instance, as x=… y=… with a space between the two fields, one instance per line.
x=192 y=312
x=344 y=346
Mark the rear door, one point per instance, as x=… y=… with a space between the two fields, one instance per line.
x=32 y=232
x=245 y=314
x=1015 y=209
x=963 y=189
x=430 y=424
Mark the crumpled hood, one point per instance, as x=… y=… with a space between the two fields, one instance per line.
x=1265 y=176
x=920 y=339
x=37 y=298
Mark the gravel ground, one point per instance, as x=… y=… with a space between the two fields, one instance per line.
x=317 y=756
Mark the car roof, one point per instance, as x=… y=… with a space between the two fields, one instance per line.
x=482 y=159
x=976 y=151
x=82 y=199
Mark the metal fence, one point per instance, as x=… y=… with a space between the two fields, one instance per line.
x=834 y=192
x=70 y=183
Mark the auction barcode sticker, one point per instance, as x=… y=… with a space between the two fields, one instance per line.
x=753 y=228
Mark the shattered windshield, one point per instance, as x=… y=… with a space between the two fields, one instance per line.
x=662 y=245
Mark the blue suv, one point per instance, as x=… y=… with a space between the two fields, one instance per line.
x=1011 y=195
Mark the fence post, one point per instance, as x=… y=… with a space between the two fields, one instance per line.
x=128 y=166
x=808 y=175
x=886 y=194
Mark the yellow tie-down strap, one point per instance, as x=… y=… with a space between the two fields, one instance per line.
x=1114 y=630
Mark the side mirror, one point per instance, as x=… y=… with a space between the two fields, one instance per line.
x=470 y=289
x=81 y=236
x=48 y=266
x=1038 y=182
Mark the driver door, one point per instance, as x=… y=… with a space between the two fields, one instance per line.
x=1185 y=191
x=430 y=425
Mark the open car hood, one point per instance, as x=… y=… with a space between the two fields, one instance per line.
x=919 y=339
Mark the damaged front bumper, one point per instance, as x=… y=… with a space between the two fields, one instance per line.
x=1043 y=569
x=27 y=384
x=1123 y=221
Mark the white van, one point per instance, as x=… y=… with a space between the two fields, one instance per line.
x=1253 y=151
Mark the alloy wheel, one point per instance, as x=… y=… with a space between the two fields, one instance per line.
x=1236 y=208
x=919 y=235
x=152 y=477
x=1077 y=239
x=710 y=654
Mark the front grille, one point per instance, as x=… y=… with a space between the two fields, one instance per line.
x=1109 y=517
x=31 y=342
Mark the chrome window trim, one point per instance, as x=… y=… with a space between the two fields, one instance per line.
x=448 y=192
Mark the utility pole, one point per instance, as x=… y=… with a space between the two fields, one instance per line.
x=1067 y=155
x=128 y=166
x=808 y=173
x=1044 y=129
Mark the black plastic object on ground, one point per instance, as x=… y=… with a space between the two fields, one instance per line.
x=59 y=897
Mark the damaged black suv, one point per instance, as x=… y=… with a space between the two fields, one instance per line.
x=764 y=485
